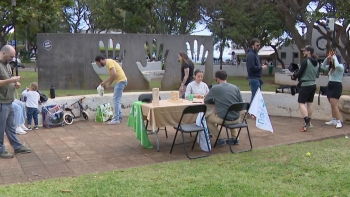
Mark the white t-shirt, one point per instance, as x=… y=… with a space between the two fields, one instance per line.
x=196 y=88
x=33 y=98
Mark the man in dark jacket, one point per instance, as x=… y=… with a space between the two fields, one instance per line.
x=254 y=67
x=309 y=71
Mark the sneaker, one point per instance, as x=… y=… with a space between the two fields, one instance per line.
x=36 y=127
x=113 y=122
x=29 y=128
x=231 y=141
x=6 y=155
x=20 y=131
x=23 y=127
x=305 y=127
x=332 y=122
x=221 y=142
x=339 y=125
x=23 y=149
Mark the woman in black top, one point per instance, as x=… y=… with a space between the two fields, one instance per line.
x=187 y=68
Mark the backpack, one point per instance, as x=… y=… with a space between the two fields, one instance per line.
x=43 y=97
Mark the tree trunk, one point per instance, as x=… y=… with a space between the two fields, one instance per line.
x=278 y=57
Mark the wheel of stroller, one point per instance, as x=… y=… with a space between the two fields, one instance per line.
x=68 y=119
x=85 y=115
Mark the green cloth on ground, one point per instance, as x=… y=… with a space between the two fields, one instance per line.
x=135 y=121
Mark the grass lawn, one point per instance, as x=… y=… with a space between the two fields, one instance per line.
x=276 y=171
x=27 y=77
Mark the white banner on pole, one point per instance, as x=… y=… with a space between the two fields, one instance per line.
x=259 y=110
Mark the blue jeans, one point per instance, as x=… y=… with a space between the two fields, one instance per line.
x=117 y=96
x=254 y=85
x=20 y=112
x=32 y=113
x=7 y=124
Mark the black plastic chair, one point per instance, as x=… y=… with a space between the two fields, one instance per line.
x=191 y=128
x=238 y=107
x=148 y=99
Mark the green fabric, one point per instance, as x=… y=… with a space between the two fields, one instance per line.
x=310 y=74
x=135 y=121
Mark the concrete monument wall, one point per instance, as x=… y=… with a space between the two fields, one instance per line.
x=64 y=60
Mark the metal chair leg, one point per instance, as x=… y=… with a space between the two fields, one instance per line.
x=172 y=146
x=195 y=139
x=166 y=132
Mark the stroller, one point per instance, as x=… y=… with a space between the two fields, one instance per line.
x=53 y=115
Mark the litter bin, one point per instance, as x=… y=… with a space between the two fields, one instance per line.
x=270 y=69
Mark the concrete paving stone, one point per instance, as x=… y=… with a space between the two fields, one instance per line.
x=50 y=159
x=96 y=147
x=93 y=156
x=14 y=179
x=59 y=170
x=12 y=172
x=37 y=172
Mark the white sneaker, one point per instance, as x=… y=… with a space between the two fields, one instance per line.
x=339 y=125
x=113 y=122
x=23 y=127
x=20 y=131
x=332 y=122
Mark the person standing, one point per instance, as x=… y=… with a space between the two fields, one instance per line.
x=334 y=87
x=309 y=71
x=32 y=104
x=254 y=67
x=8 y=84
x=187 y=68
x=223 y=96
x=118 y=78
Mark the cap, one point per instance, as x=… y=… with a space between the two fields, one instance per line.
x=308 y=48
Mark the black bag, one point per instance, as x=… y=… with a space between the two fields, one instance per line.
x=323 y=91
x=43 y=97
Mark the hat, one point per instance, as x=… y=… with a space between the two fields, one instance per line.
x=308 y=48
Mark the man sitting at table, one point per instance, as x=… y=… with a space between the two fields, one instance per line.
x=223 y=96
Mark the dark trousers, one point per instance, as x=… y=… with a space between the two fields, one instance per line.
x=32 y=113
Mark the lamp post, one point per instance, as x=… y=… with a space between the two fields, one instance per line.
x=14 y=33
x=221 y=21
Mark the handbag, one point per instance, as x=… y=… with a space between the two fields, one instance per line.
x=104 y=113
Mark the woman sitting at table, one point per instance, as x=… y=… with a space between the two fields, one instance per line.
x=198 y=88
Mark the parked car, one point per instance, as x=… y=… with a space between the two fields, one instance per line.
x=19 y=63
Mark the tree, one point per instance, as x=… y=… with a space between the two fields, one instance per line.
x=244 y=20
x=294 y=12
x=342 y=29
x=46 y=15
x=74 y=15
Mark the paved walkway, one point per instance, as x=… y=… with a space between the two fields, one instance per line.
x=98 y=147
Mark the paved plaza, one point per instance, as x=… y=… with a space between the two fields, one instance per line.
x=97 y=147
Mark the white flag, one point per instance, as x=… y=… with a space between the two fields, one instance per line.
x=259 y=110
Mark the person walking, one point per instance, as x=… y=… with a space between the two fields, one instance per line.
x=118 y=78
x=309 y=71
x=8 y=84
x=187 y=68
x=334 y=87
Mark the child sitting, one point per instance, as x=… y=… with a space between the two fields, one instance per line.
x=32 y=102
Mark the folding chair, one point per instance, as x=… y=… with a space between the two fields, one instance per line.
x=243 y=124
x=190 y=128
x=148 y=98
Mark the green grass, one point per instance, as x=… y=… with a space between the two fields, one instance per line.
x=27 y=77
x=276 y=171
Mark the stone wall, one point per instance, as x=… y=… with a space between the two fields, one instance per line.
x=277 y=104
x=64 y=60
